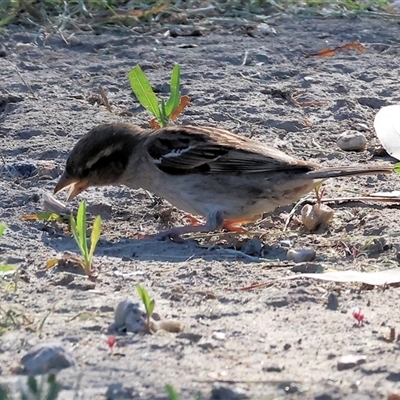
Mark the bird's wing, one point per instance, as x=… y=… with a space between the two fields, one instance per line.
x=189 y=149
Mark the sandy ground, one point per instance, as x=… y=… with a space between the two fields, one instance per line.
x=279 y=342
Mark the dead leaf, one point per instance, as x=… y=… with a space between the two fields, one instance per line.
x=386 y=277
x=331 y=52
x=154 y=124
x=47 y=216
x=185 y=100
x=145 y=13
x=64 y=258
x=52 y=262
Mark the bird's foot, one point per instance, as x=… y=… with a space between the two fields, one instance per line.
x=194 y=221
x=231 y=225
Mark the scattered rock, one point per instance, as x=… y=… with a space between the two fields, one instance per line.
x=273 y=368
x=313 y=216
x=350 y=361
x=102 y=209
x=278 y=302
x=290 y=387
x=372 y=102
x=307 y=268
x=119 y=391
x=376 y=247
x=287 y=346
x=352 y=141
x=333 y=302
x=223 y=392
x=3 y=51
x=192 y=337
x=360 y=127
x=45 y=357
x=301 y=255
x=219 y=335
x=252 y=247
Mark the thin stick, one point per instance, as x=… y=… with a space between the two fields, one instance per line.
x=23 y=80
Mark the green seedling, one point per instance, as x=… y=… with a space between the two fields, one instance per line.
x=79 y=227
x=397 y=168
x=47 y=389
x=2 y=229
x=5 y=269
x=173 y=395
x=161 y=110
x=148 y=304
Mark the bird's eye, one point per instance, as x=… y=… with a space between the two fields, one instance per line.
x=85 y=173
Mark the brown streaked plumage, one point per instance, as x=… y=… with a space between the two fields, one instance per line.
x=205 y=171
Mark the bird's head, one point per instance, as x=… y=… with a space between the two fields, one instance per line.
x=99 y=158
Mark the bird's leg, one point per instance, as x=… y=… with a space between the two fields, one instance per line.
x=214 y=222
x=193 y=220
x=231 y=225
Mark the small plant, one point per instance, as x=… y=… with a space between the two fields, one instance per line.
x=111 y=342
x=148 y=304
x=161 y=110
x=359 y=316
x=319 y=193
x=2 y=229
x=173 y=395
x=79 y=227
x=47 y=389
x=5 y=269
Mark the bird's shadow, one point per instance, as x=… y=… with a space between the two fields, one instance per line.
x=128 y=249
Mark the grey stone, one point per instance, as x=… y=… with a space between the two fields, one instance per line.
x=45 y=357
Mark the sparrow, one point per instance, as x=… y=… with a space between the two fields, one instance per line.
x=211 y=172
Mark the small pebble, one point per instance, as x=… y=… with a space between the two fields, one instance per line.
x=119 y=391
x=350 y=361
x=352 y=141
x=307 y=268
x=252 y=247
x=273 y=368
x=360 y=127
x=333 y=302
x=219 y=335
x=301 y=255
x=313 y=216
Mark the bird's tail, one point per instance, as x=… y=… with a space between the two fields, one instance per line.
x=335 y=172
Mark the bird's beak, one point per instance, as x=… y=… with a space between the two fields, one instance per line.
x=76 y=185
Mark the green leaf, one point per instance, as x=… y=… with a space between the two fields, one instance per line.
x=53 y=389
x=95 y=236
x=397 y=168
x=4 y=393
x=32 y=384
x=143 y=91
x=75 y=233
x=175 y=96
x=144 y=296
x=81 y=227
x=172 y=394
x=151 y=308
x=6 y=268
x=7 y=20
x=2 y=229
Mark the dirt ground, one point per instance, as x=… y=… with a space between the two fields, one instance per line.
x=279 y=342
